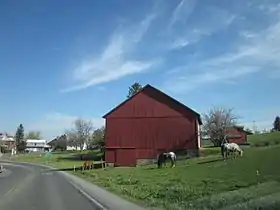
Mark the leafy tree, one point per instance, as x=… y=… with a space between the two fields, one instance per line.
x=276 y=124
x=216 y=122
x=98 y=137
x=19 y=137
x=133 y=89
x=33 y=135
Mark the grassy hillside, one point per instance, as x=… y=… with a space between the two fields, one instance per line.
x=202 y=182
x=264 y=139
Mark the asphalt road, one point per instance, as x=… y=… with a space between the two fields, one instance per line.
x=33 y=188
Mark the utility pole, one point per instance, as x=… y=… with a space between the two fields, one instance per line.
x=254 y=126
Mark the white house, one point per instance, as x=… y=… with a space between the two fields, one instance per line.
x=72 y=148
x=37 y=145
x=7 y=141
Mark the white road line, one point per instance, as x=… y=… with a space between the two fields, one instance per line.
x=95 y=202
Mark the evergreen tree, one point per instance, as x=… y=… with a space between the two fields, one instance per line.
x=20 y=143
x=276 y=124
x=133 y=89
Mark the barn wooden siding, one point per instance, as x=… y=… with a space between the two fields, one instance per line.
x=237 y=135
x=147 y=124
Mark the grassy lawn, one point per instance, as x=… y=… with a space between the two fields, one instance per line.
x=61 y=160
x=264 y=139
x=195 y=183
x=255 y=140
x=206 y=143
x=200 y=183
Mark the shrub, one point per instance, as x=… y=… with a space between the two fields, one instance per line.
x=257 y=144
x=267 y=143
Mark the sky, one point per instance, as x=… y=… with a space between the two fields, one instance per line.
x=61 y=60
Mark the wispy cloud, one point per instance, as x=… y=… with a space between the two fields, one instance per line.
x=114 y=62
x=53 y=124
x=248 y=34
x=253 y=51
x=217 y=19
x=189 y=37
x=182 y=11
x=259 y=53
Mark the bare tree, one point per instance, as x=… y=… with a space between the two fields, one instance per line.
x=216 y=122
x=80 y=134
x=72 y=138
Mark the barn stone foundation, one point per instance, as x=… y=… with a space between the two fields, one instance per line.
x=182 y=154
x=193 y=153
x=142 y=162
x=110 y=164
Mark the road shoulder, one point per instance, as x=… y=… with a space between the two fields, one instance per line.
x=100 y=197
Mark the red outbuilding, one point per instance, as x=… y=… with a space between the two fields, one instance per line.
x=148 y=123
x=237 y=134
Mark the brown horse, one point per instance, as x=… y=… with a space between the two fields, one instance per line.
x=88 y=165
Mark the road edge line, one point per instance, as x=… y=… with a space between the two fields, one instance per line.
x=90 y=198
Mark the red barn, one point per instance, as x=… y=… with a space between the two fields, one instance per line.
x=237 y=134
x=147 y=123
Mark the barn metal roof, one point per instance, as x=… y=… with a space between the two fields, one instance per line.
x=148 y=86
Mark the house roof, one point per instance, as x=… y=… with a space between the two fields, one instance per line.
x=36 y=141
x=148 y=86
x=241 y=128
x=52 y=141
x=6 y=137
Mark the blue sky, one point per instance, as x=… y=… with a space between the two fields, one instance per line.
x=60 y=60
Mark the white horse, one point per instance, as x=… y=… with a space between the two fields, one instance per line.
x=164 y=156
x=233 y=148
x=172 y=157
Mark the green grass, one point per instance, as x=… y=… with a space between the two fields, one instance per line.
x=231 y=198
x=207 y=143
x=196 y=183
x=208 y=151
x=271 y=201
x=199 y=183
x=257 y=140
x=265 y=139
x=59 y=159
